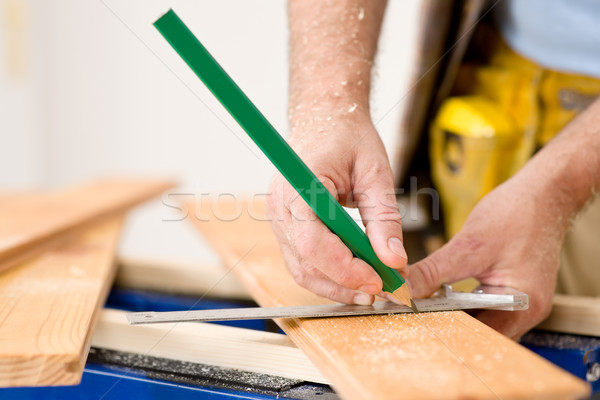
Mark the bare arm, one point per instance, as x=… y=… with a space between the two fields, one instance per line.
x=567 y=170
x=333 y=44
x=514 y=235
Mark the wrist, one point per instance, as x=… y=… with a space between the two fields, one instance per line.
x=331 y=120
x=329 y=116
x=551 y=192
x=339 y=98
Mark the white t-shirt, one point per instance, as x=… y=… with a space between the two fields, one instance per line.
x=559 y=34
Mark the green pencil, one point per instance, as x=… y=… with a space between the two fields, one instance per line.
x=279 y=152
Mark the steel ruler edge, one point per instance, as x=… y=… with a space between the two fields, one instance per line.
x=483 y=297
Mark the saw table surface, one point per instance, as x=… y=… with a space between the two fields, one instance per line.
x=117 y=375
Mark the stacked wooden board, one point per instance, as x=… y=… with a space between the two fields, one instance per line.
x=179 y=277
x=31 y=224
x=427 y=356
x=209 y=344
x=57 y=252
x=579 y=315
x=54 y=284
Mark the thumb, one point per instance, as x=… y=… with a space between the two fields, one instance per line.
x=448 y=264
x=379 y=212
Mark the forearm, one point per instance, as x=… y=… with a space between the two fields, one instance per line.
x=333 y=44
x=567 y=170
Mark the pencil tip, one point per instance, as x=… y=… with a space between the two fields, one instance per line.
x=413 y=306
x=402 y=295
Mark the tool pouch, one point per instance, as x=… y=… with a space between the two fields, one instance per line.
x=503 y=108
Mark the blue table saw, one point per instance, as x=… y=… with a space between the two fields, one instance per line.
x=116 y=375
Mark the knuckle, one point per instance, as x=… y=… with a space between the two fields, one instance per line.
x=344 y=276
x=378 y=170
x=338 y=253
x=328 y=183
x=341 y=258
x=300 y=276
x=378 y=165
x=430 y=273
x=334 y=292
x=467 y=244
x=305 y=245
x=389 y=215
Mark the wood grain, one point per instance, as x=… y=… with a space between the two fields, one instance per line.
x=49 y=308
x=212 y=344
x=579 y=315
x=30 y=225
x=423 y=356
x=199 y=279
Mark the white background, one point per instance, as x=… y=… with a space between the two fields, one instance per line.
x=98 y=92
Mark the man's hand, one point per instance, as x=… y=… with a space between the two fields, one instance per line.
x=333 y=44
x=511 y=238
x=348 y=157
x=514 y=235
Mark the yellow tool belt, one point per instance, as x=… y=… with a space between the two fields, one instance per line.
x=499 y=115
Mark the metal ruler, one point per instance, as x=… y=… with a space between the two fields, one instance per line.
x=446 y=299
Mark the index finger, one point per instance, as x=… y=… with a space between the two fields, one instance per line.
x=316 y=245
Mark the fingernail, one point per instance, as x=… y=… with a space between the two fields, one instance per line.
x=362 y=299
x=396 y=246
x=369 y=289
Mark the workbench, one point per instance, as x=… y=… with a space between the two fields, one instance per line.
x=116 y=375
x=58 y=273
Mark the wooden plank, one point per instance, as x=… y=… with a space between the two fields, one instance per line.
x=199 y=279
x=426 y=356
x=212 y=344
x=579 y=315
x=30 y=225
x=49 y=308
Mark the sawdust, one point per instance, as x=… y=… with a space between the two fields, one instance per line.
x=361 y=14
x=77 y=271
x=429 y=345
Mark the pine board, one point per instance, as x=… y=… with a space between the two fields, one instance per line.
x=198 y=279
x=423 y=356
x=579 y=315
x=33 y=224
x=203 y=343
x=49 y=308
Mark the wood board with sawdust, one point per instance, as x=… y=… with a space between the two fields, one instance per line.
x=32 y=224
x=50 y=305
x=406 y=356
x=204 y=343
